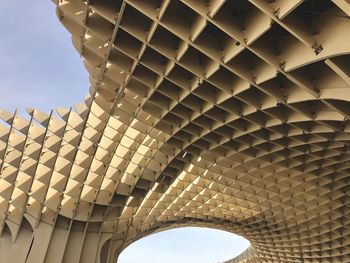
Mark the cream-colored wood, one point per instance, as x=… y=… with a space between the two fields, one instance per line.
x=228 y=114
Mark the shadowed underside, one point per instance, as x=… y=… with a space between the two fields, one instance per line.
x=226 y=114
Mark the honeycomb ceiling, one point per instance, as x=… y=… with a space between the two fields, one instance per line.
x=227 y=114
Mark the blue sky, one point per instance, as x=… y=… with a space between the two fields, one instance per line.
x=185 y=245
x=39 y=68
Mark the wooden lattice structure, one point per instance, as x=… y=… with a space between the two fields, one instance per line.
x=230 y=114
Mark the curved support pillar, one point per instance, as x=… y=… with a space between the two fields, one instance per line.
x=15 y=251
x=67 y=241
x=115 y=248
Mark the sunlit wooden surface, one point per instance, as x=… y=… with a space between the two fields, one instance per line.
x=226 y=114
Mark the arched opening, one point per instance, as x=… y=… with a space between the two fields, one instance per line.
x=185 y=244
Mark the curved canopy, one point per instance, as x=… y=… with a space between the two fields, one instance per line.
x=230 y=114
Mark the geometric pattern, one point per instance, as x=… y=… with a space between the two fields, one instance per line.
x=229 y=114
